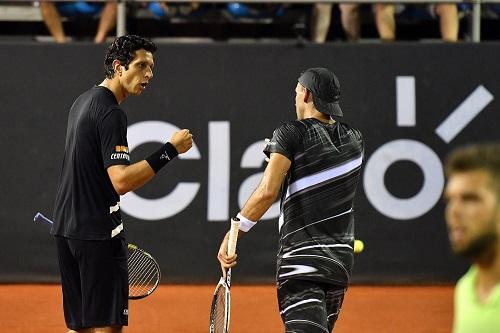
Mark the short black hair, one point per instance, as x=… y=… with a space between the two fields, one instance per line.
x=123 y=49
x=479 y=156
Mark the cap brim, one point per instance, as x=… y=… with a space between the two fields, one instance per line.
x=332 y=109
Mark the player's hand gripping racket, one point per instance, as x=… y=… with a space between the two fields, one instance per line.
x=143 y=271
x=220 y=312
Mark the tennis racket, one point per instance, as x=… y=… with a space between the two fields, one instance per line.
x=221 y=302
x=144 y=273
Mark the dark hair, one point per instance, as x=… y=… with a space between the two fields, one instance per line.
x=484 y=156
x=123 y=49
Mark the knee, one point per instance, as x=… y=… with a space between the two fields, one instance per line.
x=47 y=5
x=44 y=4
x=447 y=10
x=349 y=9
x=323 y=7
x=384 y=9
x=111 y=5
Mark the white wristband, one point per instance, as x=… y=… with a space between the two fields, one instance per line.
x=245 y=224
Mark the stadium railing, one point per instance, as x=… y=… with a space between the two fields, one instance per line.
x=12 y=10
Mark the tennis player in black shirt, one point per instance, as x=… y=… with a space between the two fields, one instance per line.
x=96 y=170
x=316 y=161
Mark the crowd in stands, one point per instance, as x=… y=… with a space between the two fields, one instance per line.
x=314 y=21
x=385 y=20
x=52 y=13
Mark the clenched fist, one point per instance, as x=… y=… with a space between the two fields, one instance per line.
x=182 y=140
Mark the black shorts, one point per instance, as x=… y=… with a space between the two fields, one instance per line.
x=309 y=306
x=94 y=281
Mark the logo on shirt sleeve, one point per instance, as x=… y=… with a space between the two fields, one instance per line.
x=121 y=149
x=121 y=153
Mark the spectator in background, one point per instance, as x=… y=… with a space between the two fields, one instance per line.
x=472 y=197
x=321 y=18
x=240 y=10
x=162 y=9
x=52 y=12
x=384 y=19
x=447 y=13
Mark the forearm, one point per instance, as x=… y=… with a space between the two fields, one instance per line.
x=265 y=194
x=126 y=178
x=258 y=203
x=131 y=177
x=256 y=206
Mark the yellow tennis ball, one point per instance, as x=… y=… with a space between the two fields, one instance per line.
x=358 y=246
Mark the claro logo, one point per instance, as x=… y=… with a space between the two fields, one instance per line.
x=185 y=192
x=416 y=152
x=377 y=164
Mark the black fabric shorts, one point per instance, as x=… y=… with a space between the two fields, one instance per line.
x=309 y=306
x=94 y=281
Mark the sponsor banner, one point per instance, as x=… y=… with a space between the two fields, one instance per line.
x=413 y=103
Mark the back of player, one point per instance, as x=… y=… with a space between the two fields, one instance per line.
x=316 y=162
x=315 y=257
x=316 y=221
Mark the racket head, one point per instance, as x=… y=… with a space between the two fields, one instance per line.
x=221 y=305
x=144 y=273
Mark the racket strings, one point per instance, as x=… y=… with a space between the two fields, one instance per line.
x=143 y=284
x=141 y=270
x=143 y=274
x=219 y=311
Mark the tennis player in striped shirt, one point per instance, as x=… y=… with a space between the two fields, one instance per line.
x=315 y=161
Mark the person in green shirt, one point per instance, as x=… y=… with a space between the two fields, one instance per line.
x=472 y=214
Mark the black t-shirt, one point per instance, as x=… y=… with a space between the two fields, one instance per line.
x=87 y=205
x=316 y=220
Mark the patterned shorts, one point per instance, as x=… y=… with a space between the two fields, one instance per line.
x=309 y=306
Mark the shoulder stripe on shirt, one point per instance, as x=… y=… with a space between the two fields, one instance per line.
x=322 y=176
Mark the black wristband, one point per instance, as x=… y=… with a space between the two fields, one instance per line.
x=162 y=156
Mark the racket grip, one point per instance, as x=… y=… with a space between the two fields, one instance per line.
x=233 y=236
x=40 y=218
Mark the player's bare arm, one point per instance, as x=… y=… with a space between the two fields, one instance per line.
x=260 y=200
x=265 y=194
x=126 y=178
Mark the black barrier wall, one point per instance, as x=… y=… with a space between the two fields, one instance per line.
x=413 y=103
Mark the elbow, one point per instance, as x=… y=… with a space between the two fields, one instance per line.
x=121 y=188
x=267 y=195
x=121 y=191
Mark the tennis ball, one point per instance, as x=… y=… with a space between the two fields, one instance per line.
x=358 y=246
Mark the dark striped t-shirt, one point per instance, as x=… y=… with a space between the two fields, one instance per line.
x=316 y=220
